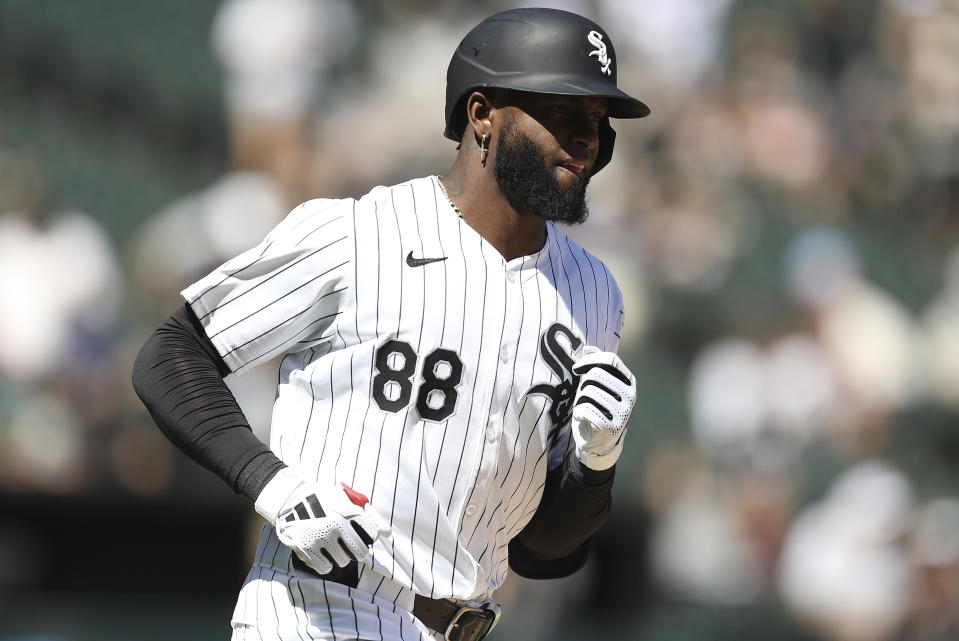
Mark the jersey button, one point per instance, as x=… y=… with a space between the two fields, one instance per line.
x=503 y=354
x=510 y=276
x=470 y=510
x=490 y=434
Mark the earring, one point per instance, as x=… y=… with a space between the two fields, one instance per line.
x=484 y=150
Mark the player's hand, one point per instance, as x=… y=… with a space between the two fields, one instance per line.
x=602 y=405
x=323 y=525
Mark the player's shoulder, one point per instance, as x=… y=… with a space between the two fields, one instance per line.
x=586 y=270
x=583 y=260
x=410 y=192
x=313 y=219
x=346 y=215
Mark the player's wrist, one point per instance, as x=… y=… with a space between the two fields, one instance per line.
x=276 y=494
x=600 y=461
x=597 y=453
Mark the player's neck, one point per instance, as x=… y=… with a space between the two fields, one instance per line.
x=485 y=208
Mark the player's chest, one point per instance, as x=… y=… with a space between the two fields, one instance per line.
x=508 y=353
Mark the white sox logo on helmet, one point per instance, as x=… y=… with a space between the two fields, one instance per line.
x=595 y=38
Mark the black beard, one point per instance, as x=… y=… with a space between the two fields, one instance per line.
x=529 y=185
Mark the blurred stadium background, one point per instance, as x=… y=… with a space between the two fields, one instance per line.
x=785 y=228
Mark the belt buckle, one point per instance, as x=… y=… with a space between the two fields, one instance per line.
x=488 y=611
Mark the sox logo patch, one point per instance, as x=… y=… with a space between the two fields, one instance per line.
x=595 y=38
x=559 y=358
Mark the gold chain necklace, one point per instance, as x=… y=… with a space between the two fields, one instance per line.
x=458 y=211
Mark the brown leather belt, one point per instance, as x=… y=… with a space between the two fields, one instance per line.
x=454 y=621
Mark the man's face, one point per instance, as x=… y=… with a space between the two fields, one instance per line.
x=546 y=150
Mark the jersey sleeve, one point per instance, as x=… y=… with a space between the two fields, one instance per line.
x=616 y=318
x=283 y=295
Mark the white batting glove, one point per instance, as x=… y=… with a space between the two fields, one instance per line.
x=323 y=525
x=604 y=400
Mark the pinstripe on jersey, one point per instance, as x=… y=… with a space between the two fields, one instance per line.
x=370 y=345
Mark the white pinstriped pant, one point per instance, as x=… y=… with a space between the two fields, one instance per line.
x=273 y=606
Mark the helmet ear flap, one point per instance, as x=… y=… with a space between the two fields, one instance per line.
x=457 y=120
x=607 y=138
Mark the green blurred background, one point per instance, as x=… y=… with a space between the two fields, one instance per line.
x=784 y=227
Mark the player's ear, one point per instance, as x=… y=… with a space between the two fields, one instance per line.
x=479 y=113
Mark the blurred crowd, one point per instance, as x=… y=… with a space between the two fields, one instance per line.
x=785 y=229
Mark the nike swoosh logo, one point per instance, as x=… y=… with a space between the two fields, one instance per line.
x=419 y=262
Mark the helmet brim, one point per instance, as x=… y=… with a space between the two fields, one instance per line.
x=621 y=104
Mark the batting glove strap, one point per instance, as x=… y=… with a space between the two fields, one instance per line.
x=602 y=461
x=277 y=493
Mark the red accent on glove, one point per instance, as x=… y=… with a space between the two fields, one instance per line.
x=355 y=497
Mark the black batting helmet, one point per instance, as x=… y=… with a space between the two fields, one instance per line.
x=541 y=51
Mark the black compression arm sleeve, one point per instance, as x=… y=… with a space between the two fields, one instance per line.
x=575 y=504
x=178 y=375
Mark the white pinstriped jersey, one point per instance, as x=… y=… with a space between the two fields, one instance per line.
x=419 y=366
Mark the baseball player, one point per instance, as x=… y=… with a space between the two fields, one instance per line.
x=449 y=402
